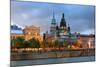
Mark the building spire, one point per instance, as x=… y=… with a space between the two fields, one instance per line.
x=63 y=15
x=53 y=18
x=68 y=28
x=53 y=24
x=53 y=15
x=63 y=22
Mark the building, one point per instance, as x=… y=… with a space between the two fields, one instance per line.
x=60 y=32
x=87 y=41
x=32 y=32
x=53 y=26
x=28 y=33
x=64 y=33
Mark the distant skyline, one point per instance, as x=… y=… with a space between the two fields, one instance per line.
x=81 y=18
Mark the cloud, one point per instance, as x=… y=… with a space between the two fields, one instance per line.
x=80 y=17
x=89 y=31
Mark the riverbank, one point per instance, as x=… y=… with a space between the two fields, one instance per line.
x=52 y=54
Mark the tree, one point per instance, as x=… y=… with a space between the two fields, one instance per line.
x=18 y=42
x=34 y=43
x=26 y=44
x=59 y=44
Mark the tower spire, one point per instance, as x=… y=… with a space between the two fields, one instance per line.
x=63 y=22
x=63 y=15
x=53 y=15
x=68 y=28
x=53 y=19
x=53 y=24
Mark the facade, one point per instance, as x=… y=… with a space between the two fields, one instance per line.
x=87 y=41
x=29 y=32
x=32 y=32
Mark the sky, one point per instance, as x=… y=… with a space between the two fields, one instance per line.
x=81 y=18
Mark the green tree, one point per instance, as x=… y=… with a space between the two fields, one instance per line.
x=26 y=44
x=18 y=42
x=34 y=43
x=58 y=44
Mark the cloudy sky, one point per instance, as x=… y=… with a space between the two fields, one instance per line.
x=80 y=17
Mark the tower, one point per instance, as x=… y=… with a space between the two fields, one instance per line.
x=63 y=22
x=53 y=25
x=63 y=26
x=68 y=29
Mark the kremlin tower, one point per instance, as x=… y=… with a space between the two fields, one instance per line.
x=53 y=25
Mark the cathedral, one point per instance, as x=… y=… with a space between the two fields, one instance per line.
x=60 y=32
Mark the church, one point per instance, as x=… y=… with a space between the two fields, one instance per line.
x=60 y=32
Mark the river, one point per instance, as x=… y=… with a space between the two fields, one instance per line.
x=52 y=61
